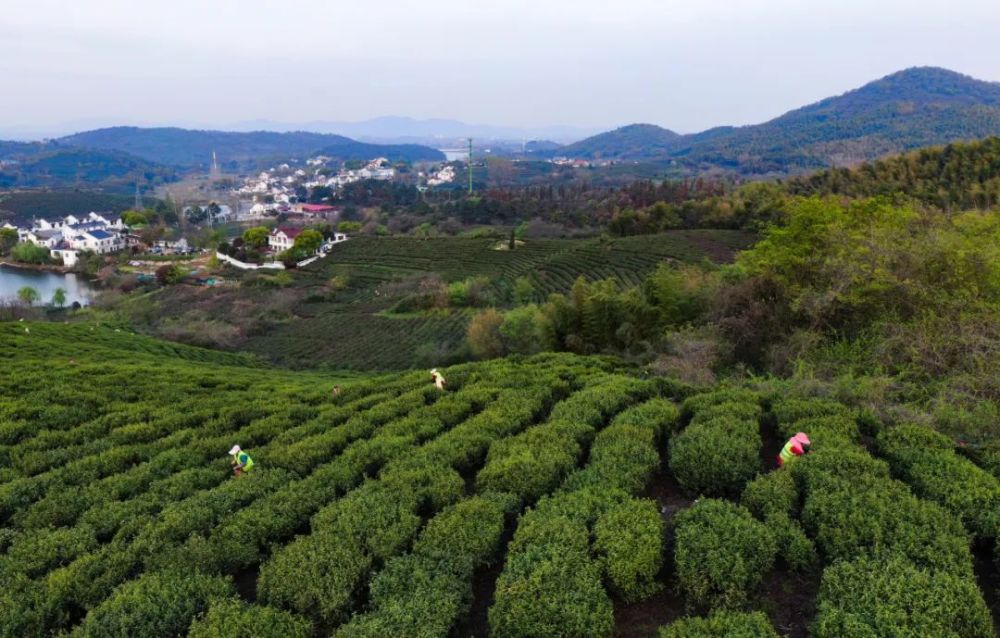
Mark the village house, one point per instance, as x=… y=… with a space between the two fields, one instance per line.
x=67 y=237
x=282 y=238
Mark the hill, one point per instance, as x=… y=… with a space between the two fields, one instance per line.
x=956 y=176
x=531 y=496
x=910 y=109
x=190 y=148
x=55 y=165
x=632 y=142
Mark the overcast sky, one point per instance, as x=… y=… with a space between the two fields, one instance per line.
x=684 y=64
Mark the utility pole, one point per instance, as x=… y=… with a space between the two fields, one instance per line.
x=470 y=166
x=138 y=198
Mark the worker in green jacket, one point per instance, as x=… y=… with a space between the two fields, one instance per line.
x=798 y=445
x=242 y=463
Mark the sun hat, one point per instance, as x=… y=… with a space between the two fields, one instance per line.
x=802 y=438
x=235 y=450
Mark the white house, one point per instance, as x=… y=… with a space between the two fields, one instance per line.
x=66 y=253
x=48 y=237
x=282 y=238
x=98 y=241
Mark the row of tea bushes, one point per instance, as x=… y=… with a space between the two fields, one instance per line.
x=322 y=574
x=927 y=461
x=898 y=565
x=589 y=533
x=719 y=450
x=425 y=592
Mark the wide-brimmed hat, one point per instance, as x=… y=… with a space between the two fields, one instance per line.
x=235 y=450
x=802 y=438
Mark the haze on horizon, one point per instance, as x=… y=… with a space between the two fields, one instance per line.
x=587 y=63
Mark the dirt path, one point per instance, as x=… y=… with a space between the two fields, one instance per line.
x=475 y=624
x=988 y=577
x=642 y=619
x=772 y=442
x=789 y=600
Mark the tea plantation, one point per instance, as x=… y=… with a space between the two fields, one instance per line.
x=356 y=328
x=540 y=497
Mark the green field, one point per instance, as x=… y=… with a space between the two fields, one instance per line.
x=531 y=498
x=354 y=329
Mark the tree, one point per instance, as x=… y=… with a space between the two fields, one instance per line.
x=512 y=244
x=526 y=330
x=59 y=298
x=133 y=218
x=483 y=334
x=196 y=214
x=27 y=295
x=349 y=227
x=309 y=241
x=524 y=291
x=29 y=253
x=169 y=274
x=8 y=239
x=256 y=237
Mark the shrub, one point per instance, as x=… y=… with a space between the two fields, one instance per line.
x=788 y=411
x=893 y=597
x=424 y=593
x=702 y=401
x=770 y=494
x=794 y=547
x=414 y=597
x=722 y=624
x=824 y=430
x=550 y=587
x=716 y=457
x=722 y=553
x=158 y=603
x=629 y=541
x=852 y=519
x=926 y=460
x=232 y=618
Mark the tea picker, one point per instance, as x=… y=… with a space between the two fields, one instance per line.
x=242 y=463
x=438 y=379
x=796 y=446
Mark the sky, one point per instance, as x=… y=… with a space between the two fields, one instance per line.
x=684 y=64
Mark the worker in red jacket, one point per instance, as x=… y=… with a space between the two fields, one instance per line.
x=796 y=446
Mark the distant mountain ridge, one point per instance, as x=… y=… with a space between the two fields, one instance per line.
x=910 y=109
x=398 y=128
x=188 y=148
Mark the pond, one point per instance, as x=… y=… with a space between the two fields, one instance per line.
x=45 y=283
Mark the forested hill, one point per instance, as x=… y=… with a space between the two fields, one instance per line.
x=54 y=165
x=628 y=142
x=191 y=148
x=956 y=176
x=910 y=109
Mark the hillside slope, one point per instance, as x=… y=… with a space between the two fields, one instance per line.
x=635 y=141
x=956 y=176
x=906 y=110
x=531 y=495
x=55 y=165
x=190 y=148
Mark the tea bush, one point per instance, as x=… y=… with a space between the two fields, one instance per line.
x=893 y=597
x=628 y=543
x=232 y=618
x=927 y=461
x=719 y=451
x=721 y=624
x=721 y=553
x=771 y=494
x=160 y=603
